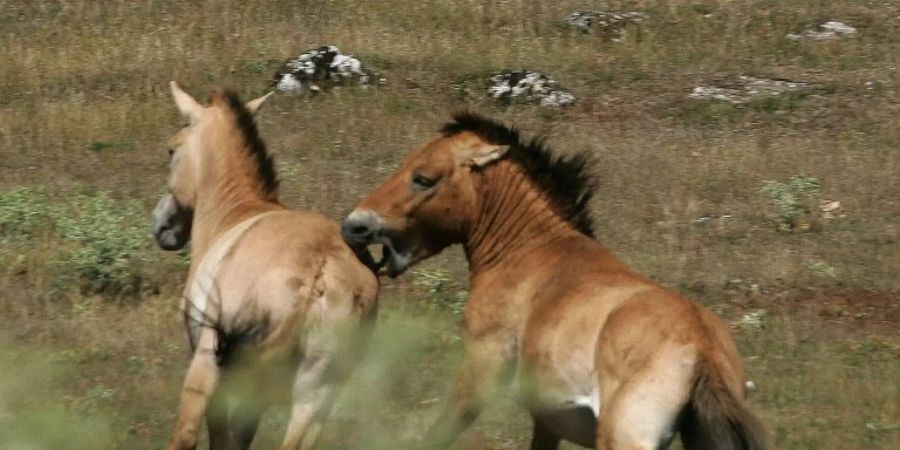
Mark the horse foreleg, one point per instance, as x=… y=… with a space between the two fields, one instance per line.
x=200 y=384
x=486 y=370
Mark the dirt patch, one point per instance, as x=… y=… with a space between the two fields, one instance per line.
x=857 y=310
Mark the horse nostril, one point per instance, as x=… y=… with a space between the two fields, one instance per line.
x=357 y=232
x=360 y=228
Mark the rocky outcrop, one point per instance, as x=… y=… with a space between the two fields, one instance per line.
x=528 y=86
x=610 y=24
x=320 y=68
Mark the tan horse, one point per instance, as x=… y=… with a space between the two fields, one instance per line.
x=276 y=304
x=598 y=354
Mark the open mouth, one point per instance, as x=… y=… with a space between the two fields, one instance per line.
x=364 y=231
x=393 y=259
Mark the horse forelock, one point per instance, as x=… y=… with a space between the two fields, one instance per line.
x=567 y=181
x=253 y=144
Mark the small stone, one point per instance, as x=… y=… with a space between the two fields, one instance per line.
x=838 y=27
x=829 y=206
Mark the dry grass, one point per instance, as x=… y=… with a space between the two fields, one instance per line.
x=84 y=106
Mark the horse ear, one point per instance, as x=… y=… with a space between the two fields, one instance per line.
x=186 y=104
x=254 y=105
x=483 y=155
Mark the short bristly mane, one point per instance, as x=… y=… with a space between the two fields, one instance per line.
x=255 y=147
x=567 y=181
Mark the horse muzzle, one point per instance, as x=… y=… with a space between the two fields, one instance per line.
x=360 y=228
x=171 y=224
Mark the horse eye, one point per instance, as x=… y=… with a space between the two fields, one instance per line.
x=422 y=182
x=171 y=151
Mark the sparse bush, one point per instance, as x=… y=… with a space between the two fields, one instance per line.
x=794 y=200
x=104 y=239
x=821 y=268
x=111 y=237
x=22 y=211
x=437 y=282
x=709 y=112
x=753 y=320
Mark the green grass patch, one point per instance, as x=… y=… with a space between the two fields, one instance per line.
x=102 y=242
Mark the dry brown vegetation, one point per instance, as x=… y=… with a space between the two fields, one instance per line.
x=84 y=109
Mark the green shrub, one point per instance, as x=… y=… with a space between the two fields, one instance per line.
x=794 y=199
x=103 y=241
x=111 y=239
x=23 y=210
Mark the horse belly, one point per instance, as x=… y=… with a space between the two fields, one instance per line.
x=566 y=403
x=537 y=398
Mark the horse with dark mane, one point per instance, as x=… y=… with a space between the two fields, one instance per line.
x=276 y=305
x=599 y=355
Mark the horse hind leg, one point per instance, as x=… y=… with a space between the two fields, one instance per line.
x=232 y=424
x=630 y=421
x=244 y=420
x=575 y=424
x=543 y=438
x=217 y=423
x=312 y=401
x=643 y=413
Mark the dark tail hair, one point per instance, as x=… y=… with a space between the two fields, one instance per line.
x=718 y=418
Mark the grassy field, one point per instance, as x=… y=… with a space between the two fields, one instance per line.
x=91 y=351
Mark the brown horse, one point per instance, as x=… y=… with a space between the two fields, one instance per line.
x=276 y=304
x=598 y=354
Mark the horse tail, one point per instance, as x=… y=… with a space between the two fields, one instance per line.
x=718 y=416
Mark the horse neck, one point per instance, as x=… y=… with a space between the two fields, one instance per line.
x=514 y=218
x=229 y=195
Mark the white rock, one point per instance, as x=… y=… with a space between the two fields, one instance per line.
x=838 y=27
x=528 y=86
x=323 y=64
x=832 y=29
x=346 y=65
x=558 y=98
x=290 y=84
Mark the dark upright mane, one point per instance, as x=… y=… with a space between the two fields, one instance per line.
x=565 y=180
x=256 y=148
